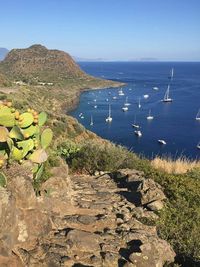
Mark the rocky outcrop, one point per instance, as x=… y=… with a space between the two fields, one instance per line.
x=80 y=221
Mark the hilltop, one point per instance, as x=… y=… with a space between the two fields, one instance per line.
x=33 y=71
x=37 y=63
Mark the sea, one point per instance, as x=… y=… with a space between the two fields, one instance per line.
x=173 y=122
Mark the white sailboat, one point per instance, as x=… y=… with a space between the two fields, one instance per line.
x=166 y=96
x=135 y=125
x=198 y=115
x=91 y=121
x=149 y=117
x=155 y=88
x=125 y=108
x=126 y=102
x=139 y=104
x=121 y=92
x=162 y=142
x=138 y=133
x=109 y=118
x=146 y=96
x=198 y=145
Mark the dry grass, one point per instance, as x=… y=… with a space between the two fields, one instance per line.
x=180 y=165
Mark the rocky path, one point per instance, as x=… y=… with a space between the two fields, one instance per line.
x=95 y=221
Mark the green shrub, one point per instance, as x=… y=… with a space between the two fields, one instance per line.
x=93 y=156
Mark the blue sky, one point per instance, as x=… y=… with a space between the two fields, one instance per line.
x=109 y=29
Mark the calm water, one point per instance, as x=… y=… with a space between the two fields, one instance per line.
x=174 y=122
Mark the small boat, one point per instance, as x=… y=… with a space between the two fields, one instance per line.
x=198 y=145
x=155 y=88
x=166 y=98
x=138 y=133
x=135 y=125
x=80 y=114
x=109 y=118
x=121 y=92
x=125 y=108
x=114 y=97
x=126 y=102
x=198 y=115
x=82 y=117
x=107 y=99
x=162 y=142
x=139 y=104
x=95 y=106
x=146 y=96
x=149 y=117
x=91 y=121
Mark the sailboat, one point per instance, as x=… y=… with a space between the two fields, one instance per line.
x=166 y=96
x=121 y=92
x=162 y=142
x=109 y=118
x=91 y=121
x=198 y=145
x=134 y=124
x=149 y=117
x=139 y=104
x=126 y=102
x=198 y=115
x=138 y=133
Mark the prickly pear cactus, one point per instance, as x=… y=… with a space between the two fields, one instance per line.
x=21 y=135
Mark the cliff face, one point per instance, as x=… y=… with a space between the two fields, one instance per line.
x=81 y=220
x=40 y=64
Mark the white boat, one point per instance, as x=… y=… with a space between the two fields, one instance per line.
x=198 y=145
x=162 y=142
x=91 y=121
x=82 y=117
x=135 y=125
x=80 y=114
x=125 y=108
x=146 y=96
x=107 y=99
x=139 y=104
x=149 y=117
x=155 y=88
x=138 y=133
x=109 y=118
x=126 y=102
x=198 y=115
x=95 y=106
x=166 y=96
x=114 y=97
x=121 y=92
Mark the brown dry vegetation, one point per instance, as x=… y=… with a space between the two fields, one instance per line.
x=178 y=166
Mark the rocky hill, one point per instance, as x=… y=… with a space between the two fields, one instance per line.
x=37 y=63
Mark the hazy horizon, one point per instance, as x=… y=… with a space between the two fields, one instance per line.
x=109 y=30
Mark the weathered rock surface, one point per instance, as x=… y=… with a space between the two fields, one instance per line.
x=81 y=221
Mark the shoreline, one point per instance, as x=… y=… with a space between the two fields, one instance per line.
x=76 y=99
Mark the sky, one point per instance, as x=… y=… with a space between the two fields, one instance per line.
x=110 y=29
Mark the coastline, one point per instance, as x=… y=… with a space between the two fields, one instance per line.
x=76 y=99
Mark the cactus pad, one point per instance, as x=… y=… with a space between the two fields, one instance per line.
x=46 y=138
x=3 y=134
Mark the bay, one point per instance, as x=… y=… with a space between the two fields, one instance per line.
x=173 y=122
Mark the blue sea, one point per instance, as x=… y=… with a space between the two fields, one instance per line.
x=173 y=122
